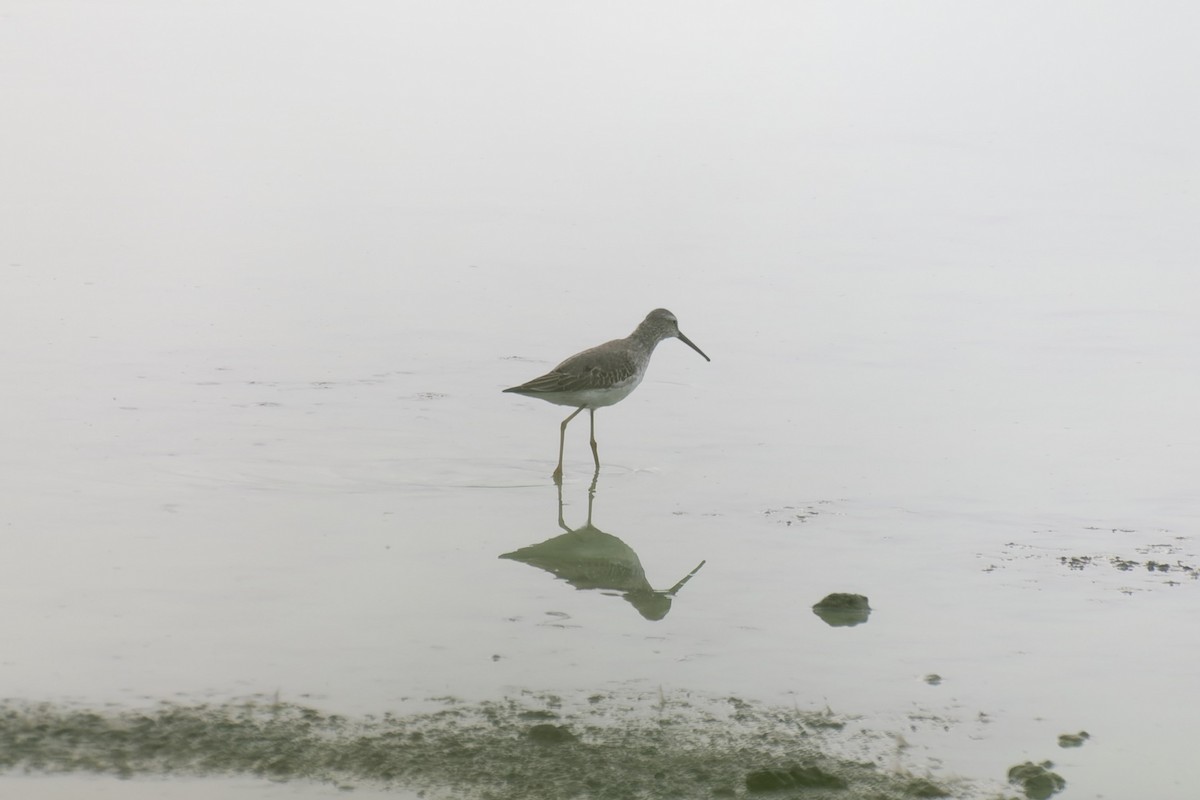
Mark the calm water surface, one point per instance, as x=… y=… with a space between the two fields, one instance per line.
x=268 y=268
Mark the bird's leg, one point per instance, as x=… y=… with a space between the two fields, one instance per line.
x=562 y=441
x=592 y=495
x=561 y=522
x=595 y=453
x=592 y=488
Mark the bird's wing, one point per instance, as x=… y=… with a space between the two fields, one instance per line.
x=597 y=368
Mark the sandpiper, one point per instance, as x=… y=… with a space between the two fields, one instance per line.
x=603 y=375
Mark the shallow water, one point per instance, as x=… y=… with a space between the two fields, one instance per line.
x=268 y=269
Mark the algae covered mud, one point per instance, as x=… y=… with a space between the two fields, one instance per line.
x=269 y=266
x=533 y=747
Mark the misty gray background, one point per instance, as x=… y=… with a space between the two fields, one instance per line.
x=266 y=267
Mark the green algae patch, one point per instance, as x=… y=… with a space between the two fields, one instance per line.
x=1036 y=780
x=843 y=609
x=1073 y=739
x=922 y=787
x=805 y=777
x=529 y=748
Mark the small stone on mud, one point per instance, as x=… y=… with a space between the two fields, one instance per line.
x=1073 y=739
x=842 y=609
x=550 y=734
x=1036 y=780
x=843 y=600
x=933 y=679
x=769 y=780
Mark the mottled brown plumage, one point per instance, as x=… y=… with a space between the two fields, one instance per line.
x=603 y=375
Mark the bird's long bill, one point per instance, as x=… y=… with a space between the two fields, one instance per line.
x=692 y=345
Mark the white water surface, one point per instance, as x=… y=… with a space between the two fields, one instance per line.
x=267 y=266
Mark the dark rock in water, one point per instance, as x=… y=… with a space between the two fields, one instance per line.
x=550 y=734
x=769 y=780
x=1073 y=739
x=841 y=609
x=845 y=602
x=1036 y=780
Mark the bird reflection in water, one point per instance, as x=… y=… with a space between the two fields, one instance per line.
x=589 y=558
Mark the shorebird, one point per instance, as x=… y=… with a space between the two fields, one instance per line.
x=603 y=375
